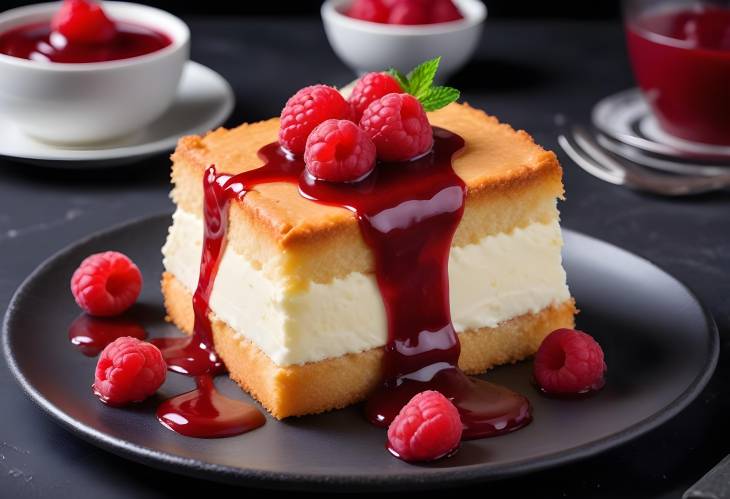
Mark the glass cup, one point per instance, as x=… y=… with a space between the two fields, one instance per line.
x=680 y=54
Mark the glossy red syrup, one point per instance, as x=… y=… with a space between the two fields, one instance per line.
x=195 y=355
x=190 y=355
x=205 y=413
x=91 y=334
x=37 y=42
x=408 y=213
x=681 y=59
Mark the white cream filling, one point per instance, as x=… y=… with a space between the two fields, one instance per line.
x=500 y=277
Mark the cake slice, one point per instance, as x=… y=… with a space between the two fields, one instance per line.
x=296 y=312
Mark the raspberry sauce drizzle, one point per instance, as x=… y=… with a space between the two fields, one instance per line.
x=407 y=213
x=195 y=355
x=203 y=412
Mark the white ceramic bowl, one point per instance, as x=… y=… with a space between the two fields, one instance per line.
x=367 y=46
x=92 y=102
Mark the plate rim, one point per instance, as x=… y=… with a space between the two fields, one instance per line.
x=317 y=481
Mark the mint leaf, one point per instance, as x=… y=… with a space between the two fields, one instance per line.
x=421 y=77
x=419 y=83
x=438 y=97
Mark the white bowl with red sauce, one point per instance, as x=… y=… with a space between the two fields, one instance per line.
x=369 y=46
x=75 y=103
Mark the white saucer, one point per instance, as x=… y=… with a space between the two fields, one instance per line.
x=626 y=117
x=204 y=101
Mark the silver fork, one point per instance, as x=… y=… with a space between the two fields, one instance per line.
x=591 y=157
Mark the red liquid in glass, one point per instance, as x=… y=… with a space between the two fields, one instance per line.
x=681 y=59
x=38 y=43
x=408 y=213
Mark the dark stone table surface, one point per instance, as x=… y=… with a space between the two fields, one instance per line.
x=531 y=74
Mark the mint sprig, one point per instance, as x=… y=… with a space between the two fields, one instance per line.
x=419 y=83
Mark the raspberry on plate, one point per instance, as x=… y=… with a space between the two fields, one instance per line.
x=569 y=362
x=81 y=21
x=106 y=283
x=370 y=87
x=339 y=151
x=128 y=370
x=375 y=11
x=399 y=127
x=305 y=110
x=426 y=428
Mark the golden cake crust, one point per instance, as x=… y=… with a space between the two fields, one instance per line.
x=512 y=182
x=338 y=382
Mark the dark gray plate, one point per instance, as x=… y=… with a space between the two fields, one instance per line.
x=660 y=344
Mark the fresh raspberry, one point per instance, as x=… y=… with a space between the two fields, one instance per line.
x=444 y=11
x=374 y=11
x=409 y=12
x=129 y=370
x=398 y=126
x=569 y=362
x=370 y=87
x=106 y=283
x=339 y=151
x=81 y=21
x=305 y=110
x=426 y=428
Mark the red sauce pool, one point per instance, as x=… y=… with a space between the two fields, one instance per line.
x=205 y=413
x=37 y=42
x=681 y=59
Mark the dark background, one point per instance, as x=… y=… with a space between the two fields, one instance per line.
x=568 y=9
x=539 y=64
